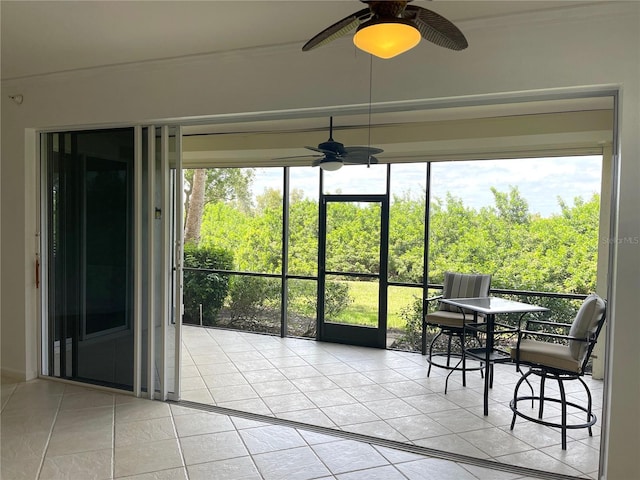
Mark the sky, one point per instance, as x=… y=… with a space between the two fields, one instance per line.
x=540 y=180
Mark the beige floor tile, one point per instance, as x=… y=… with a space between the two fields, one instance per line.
x=87 y=399
x=232 y=393
x=34 y=422
x=102 y=416
x=495 y=442
x=26 y=445
x=482 y=473
x=147 y=457
x=314 y=438
x=452 y=443
x=24 y=403
x=188 y=371
x=578 y=455
x=418 y=426
x=271 y=438
x=288 y=403
x=241 y=468
x=94 y=465
x=253 y=405
x=330 y=397
x=391 y=408
x=80 y=438
x=199 y=396
x=378 y=473
x=141 y=410
x=171 y=474
x=297 y=463
x=348 y=456
x=261 y=376
x=346 y=380
x=312 y=416
x=212 y=447
x=350 y=414
x=434 y=469
x=25 y=468
x=459 y=420
x=369 y=393
x=192 y=383
x=303 y=371
x=540 y=461
x=277 y=387
x=144 y=431
x=379 y=429
x=201 y=423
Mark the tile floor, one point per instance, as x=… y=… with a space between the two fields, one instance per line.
x=379 y=393
x=320 y=411
x=58 y=431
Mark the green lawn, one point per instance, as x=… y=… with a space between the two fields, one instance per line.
x=363 y=309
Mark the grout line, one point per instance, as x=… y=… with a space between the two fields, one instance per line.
x=246 y=447
x=175 y=430
x=113 y=440
x=53 y=424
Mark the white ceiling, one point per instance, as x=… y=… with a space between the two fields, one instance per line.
x=39 y=37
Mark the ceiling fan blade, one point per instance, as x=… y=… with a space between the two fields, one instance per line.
x=315 y=149
x=362 y=151
x=339 y=150
x=435 y=28
x=338 y=29
x=360 y=160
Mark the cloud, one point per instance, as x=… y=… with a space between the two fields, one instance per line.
x=540 y=180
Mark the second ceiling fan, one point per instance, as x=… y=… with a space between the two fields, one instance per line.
x=333 y=154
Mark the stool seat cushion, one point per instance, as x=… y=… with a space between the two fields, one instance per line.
x=553 y=355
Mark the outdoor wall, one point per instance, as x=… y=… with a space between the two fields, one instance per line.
x=588 y=47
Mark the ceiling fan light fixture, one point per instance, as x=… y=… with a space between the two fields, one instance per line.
x=331 y=165
x=386 y=38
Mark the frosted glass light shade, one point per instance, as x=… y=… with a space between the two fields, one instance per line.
x=386 y=39
x=331 y=165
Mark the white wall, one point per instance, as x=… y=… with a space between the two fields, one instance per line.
x=590 y=47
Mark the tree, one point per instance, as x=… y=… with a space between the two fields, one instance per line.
x=511 y=206
x=195 y=206
x=204 y=186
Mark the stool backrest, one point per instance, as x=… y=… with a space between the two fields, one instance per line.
x=587 y=325
x=464 y=285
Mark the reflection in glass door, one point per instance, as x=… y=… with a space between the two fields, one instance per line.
x=90 y=223
x=349 y=225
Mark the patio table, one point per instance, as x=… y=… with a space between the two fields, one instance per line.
x=490 y=307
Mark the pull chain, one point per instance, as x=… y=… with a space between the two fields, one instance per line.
x=369 y=131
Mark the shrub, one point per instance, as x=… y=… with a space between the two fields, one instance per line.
x=411 y=339
x=303 y=302
x=249 y=296
x=202 y=287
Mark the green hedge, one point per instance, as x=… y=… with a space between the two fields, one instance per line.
x=205 y=288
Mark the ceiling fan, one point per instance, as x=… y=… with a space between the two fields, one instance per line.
x=388 y=28
x=334 y=154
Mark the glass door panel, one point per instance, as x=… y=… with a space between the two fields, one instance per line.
x=352 y=301
x=89 y=205
x=352 y=266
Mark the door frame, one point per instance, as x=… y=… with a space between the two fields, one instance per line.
x=345 y=333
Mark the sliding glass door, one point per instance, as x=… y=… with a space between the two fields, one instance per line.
x=90 y=253
x=111 y=249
